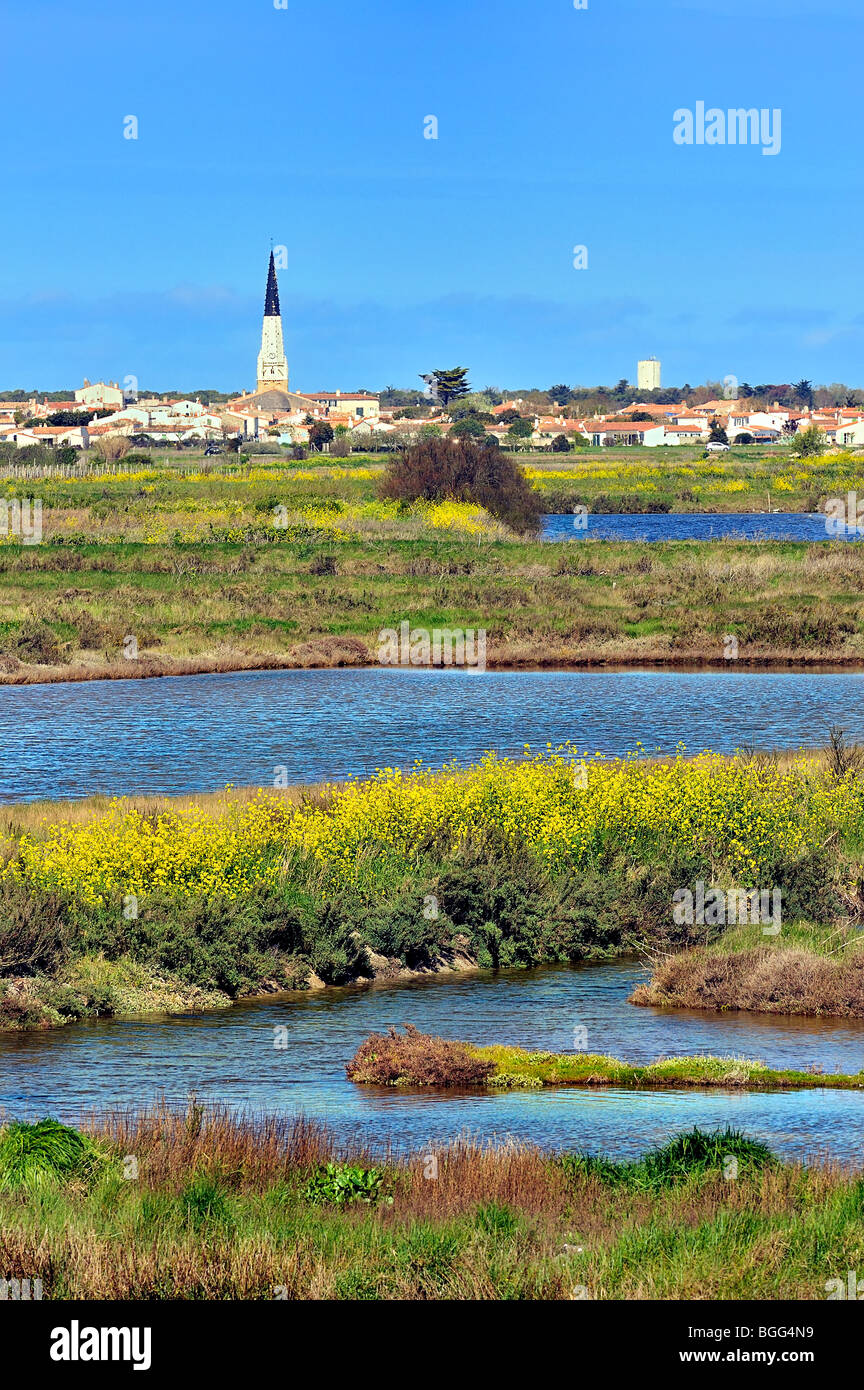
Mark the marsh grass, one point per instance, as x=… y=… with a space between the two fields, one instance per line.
x=219 y=1210
x=217 y=588
x=45 y=1152
x=693 y=1153
x=785 y=979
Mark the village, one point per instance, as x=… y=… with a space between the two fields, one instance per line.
x=337 y=422
x=358 y=422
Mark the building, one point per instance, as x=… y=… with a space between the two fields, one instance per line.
x=357 y=403
x=271 y=401
x=850 y=434
x=648 y=374
x=684 y=434
x=100 y=393
x=272 y=362
x=55 y=436
x=651 y=433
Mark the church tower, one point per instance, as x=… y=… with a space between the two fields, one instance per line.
x=272 y=362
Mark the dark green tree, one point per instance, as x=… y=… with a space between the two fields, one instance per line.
x=804 y=392
x=320 y=434
x=450 y=384
x=521 y=428
x=561 y=395
x=717 y=434
x=469 y=427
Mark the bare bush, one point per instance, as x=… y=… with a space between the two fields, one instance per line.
x=416 y=1059
x=111 y=447
x=464 y=470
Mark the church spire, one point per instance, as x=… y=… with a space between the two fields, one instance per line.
x=271 y=301
x=272 y=363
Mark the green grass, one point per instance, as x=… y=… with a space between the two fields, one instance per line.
x=242 y=594
x=685 y=1156
x=219 y=1208
x=33 y=1156
x=514 y=1068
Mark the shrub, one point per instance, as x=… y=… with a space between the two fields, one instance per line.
x=843 y=757
x=38 y=644
x=109 y=448
x=816 y=626
x=344 y=1183
x=465 y=470
x=91 y=633
x=335 y=951
x=514 y=911
x=416 y=1059
x=19 y=1009
x=221 y=943
x=401 y=927
x=809 y=442
x=32 y=929
x=323 y=564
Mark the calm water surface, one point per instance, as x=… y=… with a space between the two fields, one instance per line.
x=230 y=1057
x=690 y=526
x=195 y=733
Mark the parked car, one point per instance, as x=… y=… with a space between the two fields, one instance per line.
x=716 y=447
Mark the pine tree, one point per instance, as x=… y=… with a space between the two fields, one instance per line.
x=452 y=384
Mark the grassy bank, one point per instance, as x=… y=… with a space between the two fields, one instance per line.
x=816 y=971
x=67 y=614
x=556 y=857
x=417 y=1059
x=198 y=1205
x=271 y=566
x=746 y=479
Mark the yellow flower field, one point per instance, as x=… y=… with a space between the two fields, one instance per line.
x=738 y=817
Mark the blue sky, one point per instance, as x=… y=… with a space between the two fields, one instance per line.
x=305 y=124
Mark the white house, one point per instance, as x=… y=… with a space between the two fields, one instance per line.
x=100 y=393
x=58 y=435
x=651 y=433
x=685 y=434
x=745 y=422
x=357 y=403
x=851 y=434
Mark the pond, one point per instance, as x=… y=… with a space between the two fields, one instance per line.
x=197 y=733
x=230 y=1057
x=689 y=526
